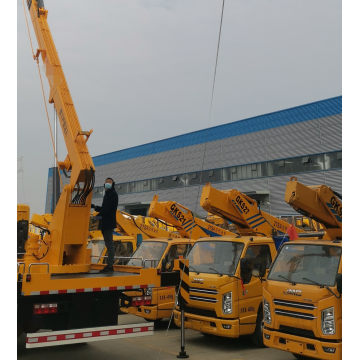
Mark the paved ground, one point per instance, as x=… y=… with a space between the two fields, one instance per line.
x=156 y=347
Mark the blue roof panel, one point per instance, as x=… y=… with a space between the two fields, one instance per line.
x=297 y=114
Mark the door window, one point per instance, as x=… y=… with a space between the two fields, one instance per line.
x=174 y=253
x=122 y=249
x=254 y=255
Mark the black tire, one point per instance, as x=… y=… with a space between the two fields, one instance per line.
x=302 y=357
x=257 y=336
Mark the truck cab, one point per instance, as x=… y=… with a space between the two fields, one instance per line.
x=302 y=300
x=159 y=253
x=225 y=297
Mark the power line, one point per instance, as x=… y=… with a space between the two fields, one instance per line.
x=211 y=102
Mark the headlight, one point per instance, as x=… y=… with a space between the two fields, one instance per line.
x=227 y=303
x=328 y=321
x=267 y=313
x=177 y=302
x=148 y=292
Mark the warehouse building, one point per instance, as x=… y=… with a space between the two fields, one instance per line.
x=256 y=156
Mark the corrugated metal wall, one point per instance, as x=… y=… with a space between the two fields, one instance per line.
x=189 y=197
x=287 y=140
x=308 y=137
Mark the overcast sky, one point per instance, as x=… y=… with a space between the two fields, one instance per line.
x=142 y=70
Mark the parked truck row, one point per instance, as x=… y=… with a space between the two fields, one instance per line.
x=285 y=294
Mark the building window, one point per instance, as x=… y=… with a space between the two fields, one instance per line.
x=306 y=160
x=299 y=164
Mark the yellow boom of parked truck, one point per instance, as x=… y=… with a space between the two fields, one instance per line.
x=302 y=294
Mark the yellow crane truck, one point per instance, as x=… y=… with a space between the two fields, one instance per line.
x=57 y=287
x=160 y=302
x=302 y=294
x=183 y=220
x=226 y=299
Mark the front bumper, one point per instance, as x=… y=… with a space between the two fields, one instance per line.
x=302 y=346
x=150 y=312
x=209 y=325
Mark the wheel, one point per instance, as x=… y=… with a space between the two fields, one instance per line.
x=257 y=336
x=301 y=357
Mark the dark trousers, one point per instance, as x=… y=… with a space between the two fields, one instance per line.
x=109 y=243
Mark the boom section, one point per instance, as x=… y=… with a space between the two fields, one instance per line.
x=317 y=202
x=242 y=211
x=64 y=245
x=184 y=220
x=130 y=226
x=78 y=159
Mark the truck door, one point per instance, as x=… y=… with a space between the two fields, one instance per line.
x=166 y=296
x=122 y=249
x=250 y=301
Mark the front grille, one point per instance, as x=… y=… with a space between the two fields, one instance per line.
x=204 y=291
x=297 y=331
x=201 y=298
x=200 y=312
x=295 y=314
x=294 y=304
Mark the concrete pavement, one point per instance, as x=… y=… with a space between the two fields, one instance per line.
x=162 y=345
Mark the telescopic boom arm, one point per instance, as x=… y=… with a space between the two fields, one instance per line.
x=319 y=202
x=184 y=220
x=66 y=243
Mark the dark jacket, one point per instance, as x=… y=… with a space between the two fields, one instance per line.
x=108 y=209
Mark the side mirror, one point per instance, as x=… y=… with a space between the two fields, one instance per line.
x=163 y=265
x=260 y=269
x=244 y=266
x=339 y=283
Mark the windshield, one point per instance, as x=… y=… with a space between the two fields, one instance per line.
x=148 y=250
x=97 y=247
x=215 y=257
x=305 y=264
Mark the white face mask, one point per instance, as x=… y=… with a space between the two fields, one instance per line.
x=108 y=186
